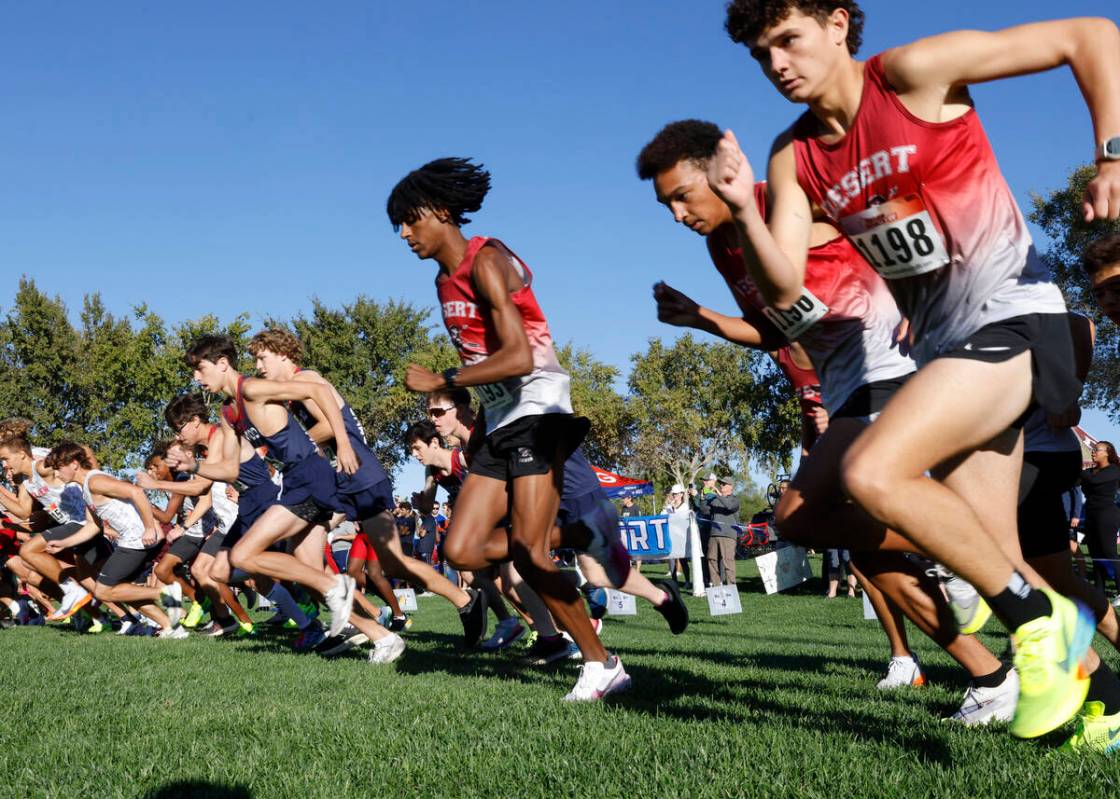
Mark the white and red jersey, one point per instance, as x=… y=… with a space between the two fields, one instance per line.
x=846 y=318
x=927 y=206
x=547 y=389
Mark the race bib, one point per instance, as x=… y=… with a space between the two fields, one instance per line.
x=493 y=396
x=57 y=513
x=805 y=313
x=897 y=238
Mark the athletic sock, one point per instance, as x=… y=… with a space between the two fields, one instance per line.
x=1018 y=603
x=1104 y=688
x=993 y=680
x=280 y=596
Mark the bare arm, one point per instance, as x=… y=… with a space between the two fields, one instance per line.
x=185 y=488
x=167 y=515
x=198 y=511
x=18 y=503
x=259 y=390
x=513 y=358
x=676 y=308
x=774 y=255
x=222 y=463
x=423 y=499
x=88 y=531
x=940 y=66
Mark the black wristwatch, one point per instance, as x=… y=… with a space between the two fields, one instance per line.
x=450 y=376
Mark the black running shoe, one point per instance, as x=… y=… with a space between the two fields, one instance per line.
x=349 y=638
x=673 y=607
x=547 y=649
x=399 y=624
x=473 y=616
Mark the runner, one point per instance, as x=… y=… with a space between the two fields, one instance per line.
x=887 y=147
x=506 y=349
x=848 y=328
x=122 y=507
x=368 y=493
x=257 y=411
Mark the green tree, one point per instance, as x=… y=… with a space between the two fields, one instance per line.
x=594 y=395
x=1061 y=218
x=698 y=406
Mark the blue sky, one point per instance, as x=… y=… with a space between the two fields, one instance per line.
x=220 y=158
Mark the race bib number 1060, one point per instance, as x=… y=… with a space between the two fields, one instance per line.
x=897 y=238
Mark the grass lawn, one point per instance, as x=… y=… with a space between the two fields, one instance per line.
x=779 y=701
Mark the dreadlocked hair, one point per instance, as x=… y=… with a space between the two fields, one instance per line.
x=454 y=186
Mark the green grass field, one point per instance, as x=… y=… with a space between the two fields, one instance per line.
x=779 y=701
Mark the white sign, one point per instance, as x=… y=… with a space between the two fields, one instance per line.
x=868 y=611
x=406 y=598
x=678 y=535
x=620 y=604
x=723 y=600
x=783 y=568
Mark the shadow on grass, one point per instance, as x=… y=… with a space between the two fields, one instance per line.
x=443 y=653
x=198 y=789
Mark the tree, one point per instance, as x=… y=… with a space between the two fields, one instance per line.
x=1061 y=218
x=594 y=395
x=698 y=406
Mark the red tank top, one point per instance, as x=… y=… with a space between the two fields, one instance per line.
x=547 y=388
x=927 y=206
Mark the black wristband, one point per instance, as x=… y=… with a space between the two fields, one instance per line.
x=450 y=376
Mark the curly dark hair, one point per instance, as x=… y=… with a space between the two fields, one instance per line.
x=686 y=139
x=423 y=431
x=211 y=347
x=746 y=19
x=452 y=185
x=67 y=452
x=184 y=408
x=1101 y=253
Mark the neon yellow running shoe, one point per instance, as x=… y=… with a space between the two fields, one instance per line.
x=980 y=615
x=1049 y=654
x=95 y=626
x=194 y=618
x=245 y=629
x=1095 y=731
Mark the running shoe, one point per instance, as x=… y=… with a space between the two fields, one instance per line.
x=1095 y=731
x=1049 y=654
x=81 y=622
x=176 y=633
x=309 y=609
x=969 y=608
x=473 y=617
x=387 y=649
x=902 y=672
x=95 y=626
x=246 y=629
x=349 y=638
x=194 y=618
x=506 y=634
x=605 y=546
x=340 y=601
x=598 y=680
x=218 y=628
x=597 y=602
x=309 y=638
x=74 y=598
x=984 y=705
x=547 y=649
x=171 y=600
x=127 y=626
x=673 y=607
x=399 y=624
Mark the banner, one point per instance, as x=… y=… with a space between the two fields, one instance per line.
x=646 y=537
x=783 y=568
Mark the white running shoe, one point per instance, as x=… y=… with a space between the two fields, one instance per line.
x=171 y=600
x=983 y=705
x=901 y=672
x=340 y=601
x=505 y=635
x=387 y=649
x=217 y=629
x=74 y=598
x=176 y=633
x=969 y=608
x=126 y=626
x=597 y=680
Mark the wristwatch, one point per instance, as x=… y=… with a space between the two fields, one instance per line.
x=449 y=376
x=1109 y=149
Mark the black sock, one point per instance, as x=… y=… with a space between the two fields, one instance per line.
x=994 y=679
x=1104 y=688
x=1018 y=603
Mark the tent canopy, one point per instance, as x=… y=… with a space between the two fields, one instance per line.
x=618 y=486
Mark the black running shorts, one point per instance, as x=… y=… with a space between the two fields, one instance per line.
x=529 y=446
x=868 y=401
x=126 y=565
x=186 y=547
x=1043 y=524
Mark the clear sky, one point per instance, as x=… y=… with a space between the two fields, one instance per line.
x=227 y=157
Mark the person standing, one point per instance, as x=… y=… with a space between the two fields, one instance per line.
x=698 y=500
x=1101 y=517
x=723 y=509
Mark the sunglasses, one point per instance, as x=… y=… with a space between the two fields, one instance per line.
x=437 y=412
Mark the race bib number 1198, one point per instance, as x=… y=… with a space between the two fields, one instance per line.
x=897 y=238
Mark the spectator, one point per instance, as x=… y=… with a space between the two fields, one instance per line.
x=697 y=499
x=837 y=561
x=406 y=525
x=426 y=534
x=675 y=506
x=723 y=510
x=1100 y=516
x=628 y=507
